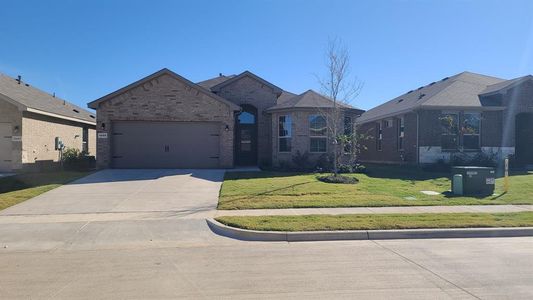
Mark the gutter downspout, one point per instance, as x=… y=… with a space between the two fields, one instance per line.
x=417 y=138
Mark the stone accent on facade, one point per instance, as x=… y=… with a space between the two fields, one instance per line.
x=429 y=155
x=164 y=98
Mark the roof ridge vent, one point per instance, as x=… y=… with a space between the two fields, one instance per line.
x=445 y=78
x=418 y=89
x=432 y=83
x=410 y=92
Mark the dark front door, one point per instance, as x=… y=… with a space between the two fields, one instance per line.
x=524 y=138
x=246 y=137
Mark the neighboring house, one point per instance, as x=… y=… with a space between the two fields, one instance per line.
x=466 y=113
x=167 y=121
x=31 y=119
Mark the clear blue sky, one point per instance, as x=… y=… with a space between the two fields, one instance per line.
x=83 y=50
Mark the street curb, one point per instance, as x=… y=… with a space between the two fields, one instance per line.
x=307 y=236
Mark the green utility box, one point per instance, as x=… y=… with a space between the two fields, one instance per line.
x=477 y=181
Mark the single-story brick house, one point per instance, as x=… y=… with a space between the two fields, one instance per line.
x=30 y=121
x=466 y=113
x=167 y=121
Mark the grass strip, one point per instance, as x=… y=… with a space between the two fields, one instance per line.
x=378 y=221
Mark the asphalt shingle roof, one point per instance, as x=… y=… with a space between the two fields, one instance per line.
x=308 y=99
x=209 y=83
x=34 y=98
x=461 y=90
x=505 y=84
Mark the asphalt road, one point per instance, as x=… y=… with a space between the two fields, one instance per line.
x=121 y=234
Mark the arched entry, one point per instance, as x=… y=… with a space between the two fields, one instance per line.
x=524 y=138
x=246 y=136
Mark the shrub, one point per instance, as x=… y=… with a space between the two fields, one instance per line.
x=345 y=168
x=301 y=162
x=338 y=179
x=74 y=159
x=359 y=168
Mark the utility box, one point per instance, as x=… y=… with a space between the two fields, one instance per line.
x=477 y=181
x=457 y=185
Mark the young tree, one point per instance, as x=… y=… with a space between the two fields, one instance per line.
x=342 y=88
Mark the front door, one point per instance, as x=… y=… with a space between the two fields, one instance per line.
x=524 y=138
x=246 y=137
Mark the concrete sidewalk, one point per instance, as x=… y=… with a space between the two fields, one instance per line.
x=378 y=210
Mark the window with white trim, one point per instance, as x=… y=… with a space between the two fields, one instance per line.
x=379 y=136
x=401 y=132
x=284 y=133
x=317 y=134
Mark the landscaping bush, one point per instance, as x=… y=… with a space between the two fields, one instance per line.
x=76 y=160
x=345 y=168
x=359 y=168
x=356 y=168
x=301 y=162
x=338 y=179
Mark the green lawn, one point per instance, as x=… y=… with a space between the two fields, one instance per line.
x=382 y=186
x=21 y=187
x=381 y=221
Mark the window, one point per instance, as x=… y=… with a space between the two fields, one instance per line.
x=348 y=131
x=246 y=118
x=471 y=129
x=449 y=131
x=317 y=134
x=284 y=133
x=401 y=132
x=388 y=123
x=85 y=140
x=379 y=136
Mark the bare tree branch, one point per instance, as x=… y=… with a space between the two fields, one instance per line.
x=342 y=89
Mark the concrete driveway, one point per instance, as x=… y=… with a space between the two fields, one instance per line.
x=117 y=208
x=141 y=234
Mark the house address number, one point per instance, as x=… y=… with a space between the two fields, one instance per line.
x=102 y=135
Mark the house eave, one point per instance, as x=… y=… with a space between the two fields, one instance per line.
x=49 y=114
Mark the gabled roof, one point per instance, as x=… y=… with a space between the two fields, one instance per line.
x=505 y=85
x=94 y=104
x=209 y=83
x=460 y=90
x=31 y=99
x=217 y=87
x=308 y=99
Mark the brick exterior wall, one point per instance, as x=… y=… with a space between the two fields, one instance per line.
x=300 y=136
x=164 y=98
x=517 y=100
x=390 y=152
x=10 y=114
x=38 y=139
x=38 y=132
x=249 y=91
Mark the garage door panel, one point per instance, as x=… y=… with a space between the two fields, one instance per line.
x=165 y=145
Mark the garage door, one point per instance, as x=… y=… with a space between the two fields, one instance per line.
x=5 y=147
x=165 y=145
